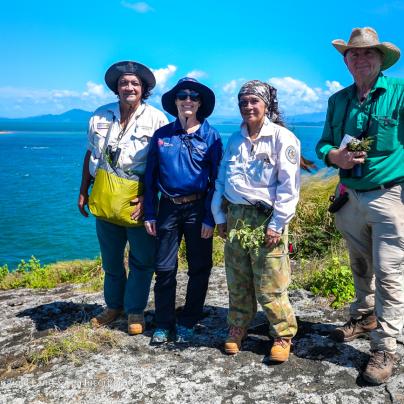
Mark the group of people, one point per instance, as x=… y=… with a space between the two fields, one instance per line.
x=187 y=185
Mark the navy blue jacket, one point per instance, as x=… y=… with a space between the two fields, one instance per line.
x=180 y=164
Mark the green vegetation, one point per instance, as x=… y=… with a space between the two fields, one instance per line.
x=73 y=343
x=32 y=274
x=249 y=237
x=313 y=231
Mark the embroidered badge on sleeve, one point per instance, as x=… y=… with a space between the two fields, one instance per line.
x=291 y=154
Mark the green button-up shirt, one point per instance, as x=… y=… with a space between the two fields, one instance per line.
x=385 y=108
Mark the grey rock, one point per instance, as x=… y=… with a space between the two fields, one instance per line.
x=319 y=370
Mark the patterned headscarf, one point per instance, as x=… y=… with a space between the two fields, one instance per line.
x=267 y=94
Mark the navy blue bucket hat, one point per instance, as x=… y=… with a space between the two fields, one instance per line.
x=189 y=83
x=127 y=67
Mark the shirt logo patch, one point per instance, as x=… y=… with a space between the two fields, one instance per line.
x=102 y=125
x=291 y=154
x=162 y=143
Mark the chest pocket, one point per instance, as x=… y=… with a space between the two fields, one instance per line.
x=197 y=148
x=384 y=131
x=261 y=168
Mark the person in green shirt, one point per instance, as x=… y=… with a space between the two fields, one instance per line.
x=372 y=219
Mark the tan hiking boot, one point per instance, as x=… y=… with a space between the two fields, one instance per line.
x=106 y=317
x=354 y=328
x=379 y=368
x=136 y=324
x=234 y=339
x=280 y=350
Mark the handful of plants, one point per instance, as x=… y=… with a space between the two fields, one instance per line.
x=360 y=145
x=250 y=238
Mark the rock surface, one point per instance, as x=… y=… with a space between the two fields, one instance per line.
x=319 y=370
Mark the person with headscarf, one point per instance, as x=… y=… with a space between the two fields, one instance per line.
x=371 y=182
x=120 y=133
x=182 y=167
x=258 y=188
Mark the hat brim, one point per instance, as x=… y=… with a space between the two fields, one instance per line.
x=128 y=67
x=207 y=98
x=390 y=51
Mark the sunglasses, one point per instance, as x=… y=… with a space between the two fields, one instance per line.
x=183 y=95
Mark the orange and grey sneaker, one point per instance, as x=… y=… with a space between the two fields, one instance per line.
x=106 y=317
x=136 y=324
x=234 y=339
x=280 y=350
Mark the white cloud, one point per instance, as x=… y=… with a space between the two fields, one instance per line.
x=196 y=74
x=294 y=96
x=163 y=75
x=140 y=7
x=95 y=89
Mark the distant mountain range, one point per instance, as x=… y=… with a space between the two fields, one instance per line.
x=81 y=117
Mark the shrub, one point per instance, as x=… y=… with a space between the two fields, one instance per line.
x=313 y=231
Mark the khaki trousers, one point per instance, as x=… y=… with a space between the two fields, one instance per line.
x=372 y=224
x=262 y=274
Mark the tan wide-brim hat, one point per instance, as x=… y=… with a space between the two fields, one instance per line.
x=367 y=38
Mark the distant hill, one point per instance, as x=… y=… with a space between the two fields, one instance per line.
x=71 y=116
x=76 y=119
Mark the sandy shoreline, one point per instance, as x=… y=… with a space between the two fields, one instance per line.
x=5 y=132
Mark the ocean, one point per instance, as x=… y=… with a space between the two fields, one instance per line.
x=40 y=173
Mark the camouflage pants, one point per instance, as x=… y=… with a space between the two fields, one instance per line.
x=262 y=274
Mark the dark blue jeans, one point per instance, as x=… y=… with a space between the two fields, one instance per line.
x=173 y=222
x=120 y=291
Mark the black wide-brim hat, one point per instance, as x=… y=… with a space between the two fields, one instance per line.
x=128 y=67
x=189 y=83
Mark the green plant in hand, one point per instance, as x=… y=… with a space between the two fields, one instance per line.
x=250 y=238
x=360 y=145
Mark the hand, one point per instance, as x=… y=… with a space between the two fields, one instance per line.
x=272 y=238
x=345 y=159
x=307 y=165
x=82 y=203
x=222 y=230
x=151 y=228
x=206 y=231
x=137 y=214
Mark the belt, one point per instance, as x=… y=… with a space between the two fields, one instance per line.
x=387 y=185
x=179 y=200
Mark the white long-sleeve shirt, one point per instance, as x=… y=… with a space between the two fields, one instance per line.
x=264 y=169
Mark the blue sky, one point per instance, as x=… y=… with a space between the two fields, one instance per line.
x=55 y=53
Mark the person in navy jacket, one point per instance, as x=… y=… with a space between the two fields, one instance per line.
x=182 y=167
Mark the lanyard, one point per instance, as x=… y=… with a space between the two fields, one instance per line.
x=365 y=132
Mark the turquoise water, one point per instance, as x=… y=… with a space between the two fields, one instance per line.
x=40 y=175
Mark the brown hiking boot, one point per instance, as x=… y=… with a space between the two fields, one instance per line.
x=234 y=340
x=379 y=367
x=280 y=350
x=106 y=317
x=136 y=324
x=354 y=328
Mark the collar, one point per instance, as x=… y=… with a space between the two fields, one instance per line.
x=266 y=130
x=116 y=112
x=178 y=129
x=379 y=86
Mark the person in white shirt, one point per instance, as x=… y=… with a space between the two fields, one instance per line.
x=258 y=184
x=121 y=132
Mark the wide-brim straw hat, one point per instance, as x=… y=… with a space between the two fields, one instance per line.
x=367 y=38
x=128 y=67
x=189 y=83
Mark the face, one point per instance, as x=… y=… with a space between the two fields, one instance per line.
x=188 y=103
x=130 y=89
x=363 y=63
x=252 y=109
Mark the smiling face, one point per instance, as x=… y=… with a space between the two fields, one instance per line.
x=363 y=63
x=252 y=109
x=187 y=107
x=130 y=90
